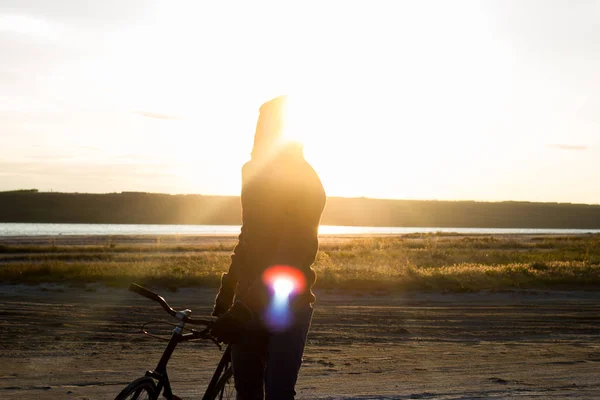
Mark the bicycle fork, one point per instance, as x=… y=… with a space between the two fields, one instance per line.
x=160 y=372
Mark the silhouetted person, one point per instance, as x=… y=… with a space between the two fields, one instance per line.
x=282 y=203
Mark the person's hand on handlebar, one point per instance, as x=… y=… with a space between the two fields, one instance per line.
x=229 y=326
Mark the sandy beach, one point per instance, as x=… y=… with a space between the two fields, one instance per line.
x=62 y=341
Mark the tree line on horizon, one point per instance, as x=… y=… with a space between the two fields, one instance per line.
x=153 y=208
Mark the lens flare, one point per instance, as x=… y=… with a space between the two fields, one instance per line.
x=283 y=283
x=284 y=272
x=283 y=287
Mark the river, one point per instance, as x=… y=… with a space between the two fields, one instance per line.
x=34 y=229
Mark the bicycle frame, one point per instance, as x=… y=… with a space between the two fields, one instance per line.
x=160 y=372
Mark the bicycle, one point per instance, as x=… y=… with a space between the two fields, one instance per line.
x=155 y=381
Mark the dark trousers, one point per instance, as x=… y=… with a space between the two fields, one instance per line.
x=268 y=363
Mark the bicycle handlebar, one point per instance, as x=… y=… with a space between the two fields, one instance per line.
x=160 y=300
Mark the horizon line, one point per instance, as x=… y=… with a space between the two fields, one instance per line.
x=130 y=192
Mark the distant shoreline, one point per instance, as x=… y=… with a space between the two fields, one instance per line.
x=163 y=209
x=230 y=239
x=153 y=231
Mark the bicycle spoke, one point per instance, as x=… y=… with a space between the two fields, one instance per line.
x=227 y=391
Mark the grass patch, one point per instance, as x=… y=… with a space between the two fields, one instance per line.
x=411 y=262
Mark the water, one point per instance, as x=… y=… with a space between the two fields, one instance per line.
x=30 y=229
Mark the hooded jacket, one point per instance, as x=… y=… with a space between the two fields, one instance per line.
x=282 y=202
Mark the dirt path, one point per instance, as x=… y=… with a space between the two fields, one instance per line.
x=83 y=344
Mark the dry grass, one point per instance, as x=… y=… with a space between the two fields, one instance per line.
x=412 y=262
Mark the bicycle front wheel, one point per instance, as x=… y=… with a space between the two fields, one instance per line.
x=141 y=389
x=225 y=388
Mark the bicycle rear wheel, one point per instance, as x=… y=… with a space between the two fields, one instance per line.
x=141 y=389
x=224 y=389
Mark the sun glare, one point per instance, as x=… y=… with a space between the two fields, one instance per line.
x=296 y=119
x=375 y=128
x=27 y=25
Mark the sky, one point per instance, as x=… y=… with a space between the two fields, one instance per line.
x=461 y=100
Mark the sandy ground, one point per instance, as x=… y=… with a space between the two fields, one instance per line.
x=83 y=343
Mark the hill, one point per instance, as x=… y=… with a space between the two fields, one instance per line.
x=153 y=208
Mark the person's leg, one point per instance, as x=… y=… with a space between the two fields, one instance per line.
x=249 y=358
x=285 y=351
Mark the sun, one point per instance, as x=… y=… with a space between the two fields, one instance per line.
x=341 y=150
x=309 y=122
x=296 y=116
